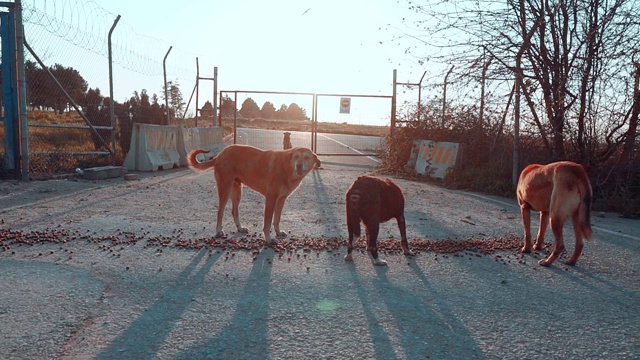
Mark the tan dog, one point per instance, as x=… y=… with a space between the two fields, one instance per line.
x=559 y=191
x=273 y=173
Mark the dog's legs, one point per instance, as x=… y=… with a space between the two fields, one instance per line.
x=578 y=250
x=353 y=227
x=373 y=227
x=236 y=195
x=402 y=226
x=556 y=226
x=277 y=214
x=526 y=222
x=269 y=207
x=223 y=195
x=544 y=221
x=349 y=257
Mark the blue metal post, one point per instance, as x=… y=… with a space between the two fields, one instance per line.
x=21 y=96
x=8 y=93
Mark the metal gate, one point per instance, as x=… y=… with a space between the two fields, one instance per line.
x=310 y=134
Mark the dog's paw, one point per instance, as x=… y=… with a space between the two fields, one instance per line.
x=280 y=233
x=526 y=249
x=220 y=234
x=408 y=252
x=271 y=242
x=348 y=257
x=243 y=230
x=379 y=262
x=544 y=262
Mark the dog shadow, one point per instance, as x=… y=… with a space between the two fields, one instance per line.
x=594 y=283
x=138 y=341
x=249 y=321
x=331 y=223
x=427 y=327
x=425 y=225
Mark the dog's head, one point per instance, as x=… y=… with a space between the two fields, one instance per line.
x=303 y=160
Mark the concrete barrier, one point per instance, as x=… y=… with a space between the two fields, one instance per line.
x=209 y=138
x=435 y=158
x=153 y=147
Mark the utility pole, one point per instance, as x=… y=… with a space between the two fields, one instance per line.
x=444 y=96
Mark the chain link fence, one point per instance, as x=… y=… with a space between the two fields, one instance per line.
x=67 y=71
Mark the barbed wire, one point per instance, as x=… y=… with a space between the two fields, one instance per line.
x=86 y=25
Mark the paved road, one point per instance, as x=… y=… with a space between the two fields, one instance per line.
x=115 y=272
x=327 y=143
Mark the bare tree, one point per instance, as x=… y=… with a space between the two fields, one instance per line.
x=575 y=68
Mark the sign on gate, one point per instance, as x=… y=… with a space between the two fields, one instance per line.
x=345 y=105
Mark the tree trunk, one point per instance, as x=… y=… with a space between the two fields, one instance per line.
x=632 y=132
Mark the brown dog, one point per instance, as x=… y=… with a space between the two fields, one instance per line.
x=286 y=141
x=374 y=201
x=559 y=191
x=273 y=173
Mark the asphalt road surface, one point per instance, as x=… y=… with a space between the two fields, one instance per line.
x=327 y=144
x=120 y=269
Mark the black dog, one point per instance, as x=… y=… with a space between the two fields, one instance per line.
x=374 y=201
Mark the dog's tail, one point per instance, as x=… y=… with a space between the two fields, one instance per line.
x=353 y=213
x=194 y=164
x=584 y=210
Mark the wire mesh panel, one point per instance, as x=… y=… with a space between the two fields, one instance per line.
x=59 y=137
x=61 y=104
x=69 y=53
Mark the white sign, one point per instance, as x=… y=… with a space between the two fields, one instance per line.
x=436 y=158
x=345 y=105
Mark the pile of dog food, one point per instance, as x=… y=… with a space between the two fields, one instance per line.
x=250 y=242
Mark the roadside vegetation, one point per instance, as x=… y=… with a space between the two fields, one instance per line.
x=559 y=79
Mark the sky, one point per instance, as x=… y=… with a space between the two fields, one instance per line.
x=310 y=46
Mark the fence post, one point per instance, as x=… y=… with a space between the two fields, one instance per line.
x=197 y=89
x=215 y=94
x=166 y=97
x=235 y=117
x=8 y=94
x=21 y=94
x=112 y=110
x=420 y=96
x=393 y=100
x=444 y=96
x=314 y=123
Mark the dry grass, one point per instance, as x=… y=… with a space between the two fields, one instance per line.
x=48 y=117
